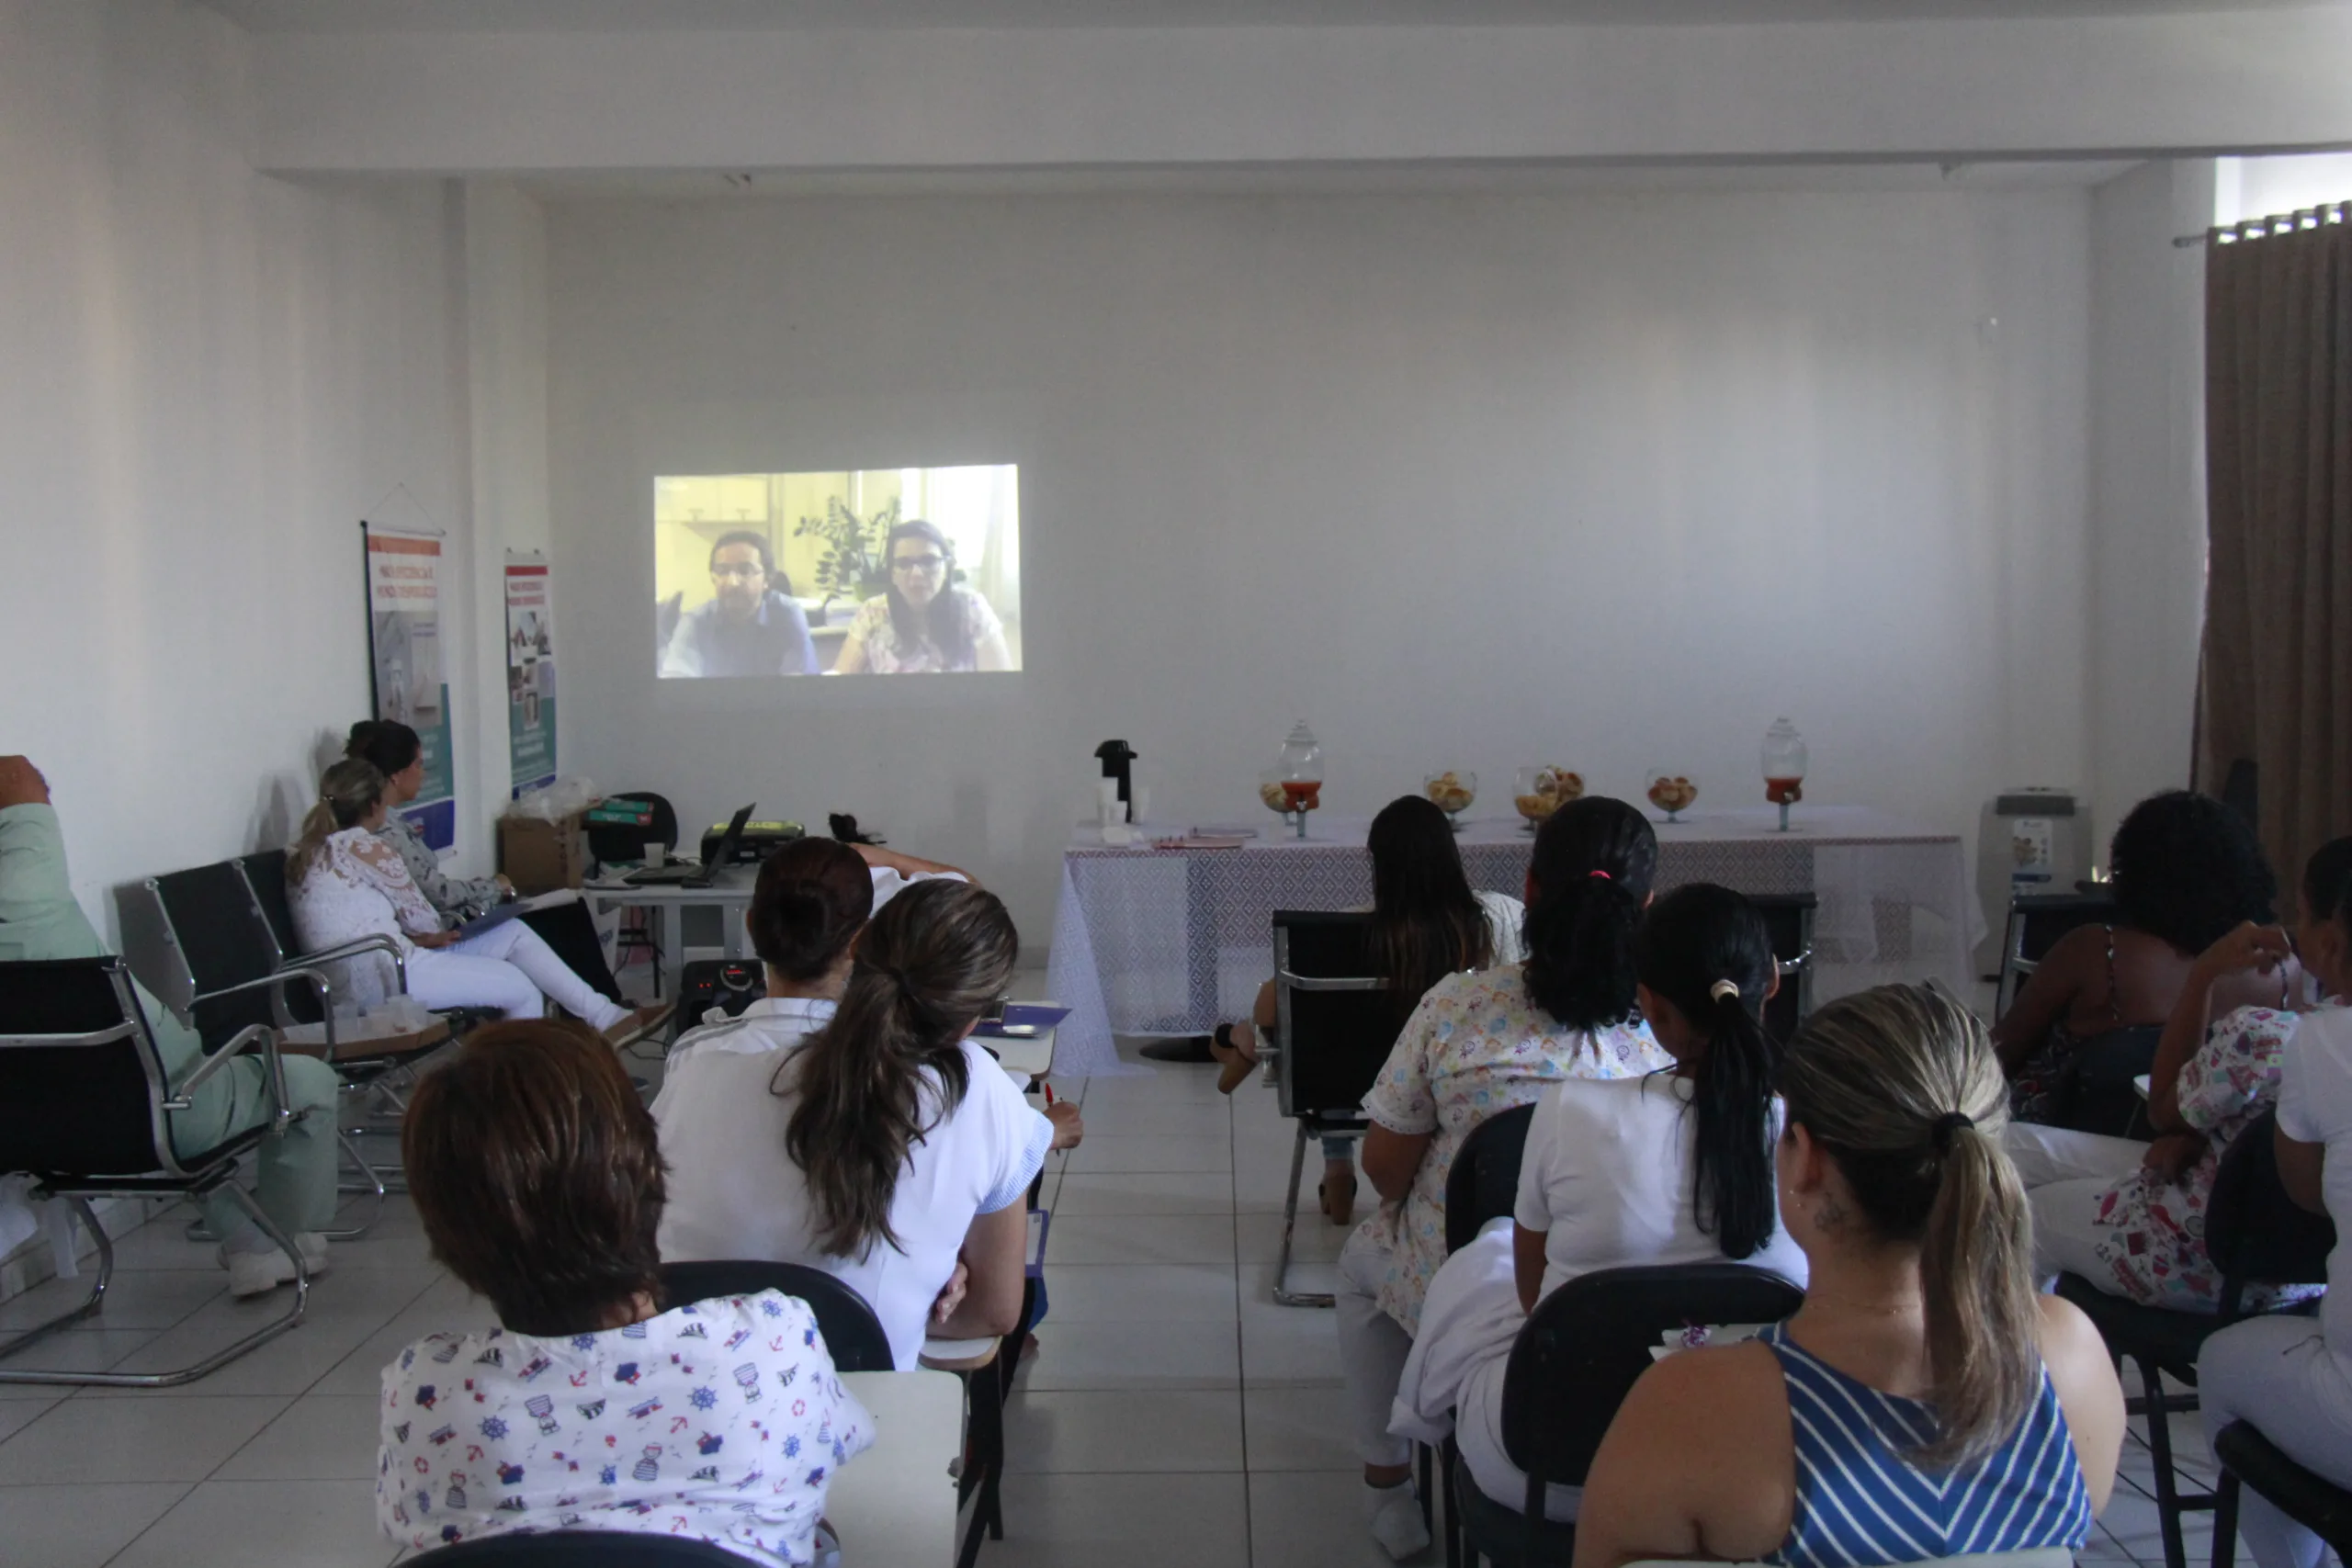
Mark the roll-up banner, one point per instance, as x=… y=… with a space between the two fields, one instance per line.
x=530 y=672
x=405 y=645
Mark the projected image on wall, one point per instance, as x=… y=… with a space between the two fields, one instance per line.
x=862 y=571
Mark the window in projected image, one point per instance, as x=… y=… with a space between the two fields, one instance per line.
x=869 y=571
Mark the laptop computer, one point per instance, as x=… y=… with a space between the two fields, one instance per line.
x=686 y=874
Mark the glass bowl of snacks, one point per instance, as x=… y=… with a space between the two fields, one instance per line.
x=1452 y=793
x=1671 y=793
x=1539 y=792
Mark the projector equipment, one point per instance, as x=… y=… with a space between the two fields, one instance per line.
x=2034 y=839
x=713 y=989
x=1118 y=762
x=757 y=842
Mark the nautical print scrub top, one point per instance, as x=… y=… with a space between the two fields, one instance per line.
x=722 y=1422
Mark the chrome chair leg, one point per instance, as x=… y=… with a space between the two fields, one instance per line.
x=1283 y=1294
x=218 y=1358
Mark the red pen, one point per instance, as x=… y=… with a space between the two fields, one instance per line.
x=1049 y=1094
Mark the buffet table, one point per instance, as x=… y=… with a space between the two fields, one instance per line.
x=1172 y=941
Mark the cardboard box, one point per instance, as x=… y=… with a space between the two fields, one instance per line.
x=541 y=857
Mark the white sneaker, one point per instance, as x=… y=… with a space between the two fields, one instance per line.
x=1397 y=1520
x=262 y=1270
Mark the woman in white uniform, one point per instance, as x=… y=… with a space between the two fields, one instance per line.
x=344 y=883
x=2295 y=1384
x=1620 y=1172
x=846 y=1121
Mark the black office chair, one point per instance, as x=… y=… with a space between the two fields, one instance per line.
x=84 y=1106
x=1573 y=1363
x=852 y=1334
x=2036 y=921
x=578 y=1549
x=612 y=844
x=2249 y=1459
x=1482 y=1185
x=1334 y=1030
x=219 y=951
x=2256 y=1234
x=1788 y=924
x=1483 y=1182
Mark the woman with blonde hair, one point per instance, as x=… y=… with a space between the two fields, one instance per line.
x=1924 y=1402
x=344 y=883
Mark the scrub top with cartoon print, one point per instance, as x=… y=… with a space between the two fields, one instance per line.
x=722 y=1422
x=1476 y=1046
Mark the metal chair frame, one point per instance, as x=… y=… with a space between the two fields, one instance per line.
x=1287 y=985
x=176 y=1180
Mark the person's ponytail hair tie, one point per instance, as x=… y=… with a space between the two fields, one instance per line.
x=1865 y=1076
x=1723 y=988
x=1591 y=870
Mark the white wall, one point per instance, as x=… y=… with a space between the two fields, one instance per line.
x=506 y=342
x=206 y=378
x=1609 y=480
x=475 y=101
x=2264 y=187
x=2148 y=482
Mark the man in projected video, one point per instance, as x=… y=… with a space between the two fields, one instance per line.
x=746 y=628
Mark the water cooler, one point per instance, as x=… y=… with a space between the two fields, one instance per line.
x=2032 y=840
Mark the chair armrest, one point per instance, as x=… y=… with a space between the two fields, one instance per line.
x=352 y=950
x=183 y=1094
x=957 y=1355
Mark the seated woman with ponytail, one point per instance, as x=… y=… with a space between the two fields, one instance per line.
x=1619 y=1173
x=344 y=883
x=1479 y=1043
x=1924 y=1402
x=846 y=1122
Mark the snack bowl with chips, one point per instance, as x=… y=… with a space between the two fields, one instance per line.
x=1452 y=793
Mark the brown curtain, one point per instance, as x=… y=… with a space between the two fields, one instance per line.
x=2277 y=681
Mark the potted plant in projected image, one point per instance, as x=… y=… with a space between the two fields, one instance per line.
x=851 y=567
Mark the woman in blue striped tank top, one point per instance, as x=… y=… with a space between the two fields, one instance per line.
x=1924 y=1402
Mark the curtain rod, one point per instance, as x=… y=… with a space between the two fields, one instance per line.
x=2258 y=228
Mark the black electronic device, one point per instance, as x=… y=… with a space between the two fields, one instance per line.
x=688 y=873
x=729 y=984
x=755 y=844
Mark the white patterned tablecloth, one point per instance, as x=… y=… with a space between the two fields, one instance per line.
x=1154 y=942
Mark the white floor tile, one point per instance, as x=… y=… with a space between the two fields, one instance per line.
x=1280 y=1345
x=287 y=1365
x=1118 y=1432
x=1258 y=1238
x=1298 y=1428
x=322 y=1438
x=1133 y=1521
x=1096 y=1356
x=1142 y=1292
x=1117 y=1238
x=1195 y=1192
x=1129 y=1118
x=79 y=1527
x=1107 y=1153
x=127 y=1439
x=1308 y=1521
x=239 y=1523
x=80 y=1351
x=146 y=1298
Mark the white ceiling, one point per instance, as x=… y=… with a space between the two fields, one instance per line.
x=1323 y=180
x=595 y=15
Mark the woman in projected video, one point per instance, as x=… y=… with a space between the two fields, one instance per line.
x=924 y=624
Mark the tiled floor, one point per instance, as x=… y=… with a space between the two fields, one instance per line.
x=1174 y=1416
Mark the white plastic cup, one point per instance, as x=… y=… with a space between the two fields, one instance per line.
x=1139 y=802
